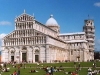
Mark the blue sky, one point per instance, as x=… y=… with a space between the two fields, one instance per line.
x=70 y=14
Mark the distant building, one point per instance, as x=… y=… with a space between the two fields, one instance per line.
x=33 y=41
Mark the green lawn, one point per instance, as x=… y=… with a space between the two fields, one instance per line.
x=68 y=67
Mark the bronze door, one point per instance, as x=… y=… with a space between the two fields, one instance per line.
x=24 y=57
x=36 y=58
x=12 y=58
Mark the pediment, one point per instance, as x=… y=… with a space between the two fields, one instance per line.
x=24 y=17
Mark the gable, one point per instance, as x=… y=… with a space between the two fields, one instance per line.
x=24 y=17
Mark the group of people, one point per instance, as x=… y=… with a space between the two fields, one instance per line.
x=49 y=70
x=33 y=71
x=93 y=72
x=4 y=68
x=16 y=72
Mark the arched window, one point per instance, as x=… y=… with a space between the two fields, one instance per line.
x=36 y=51
x=12 y=52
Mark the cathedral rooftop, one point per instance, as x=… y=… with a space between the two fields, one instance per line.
x=75 y=33
x=73 y=41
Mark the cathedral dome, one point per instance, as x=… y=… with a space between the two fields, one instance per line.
x=51 y=21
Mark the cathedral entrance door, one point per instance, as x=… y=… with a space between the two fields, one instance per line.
x=36 y=58
x=12 y=58
x=24 y=57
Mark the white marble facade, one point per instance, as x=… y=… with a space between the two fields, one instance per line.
x=33 y=41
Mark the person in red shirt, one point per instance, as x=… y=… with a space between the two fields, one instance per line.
x=73 y=73
x=15 y=73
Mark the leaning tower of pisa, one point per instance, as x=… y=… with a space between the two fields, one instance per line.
x=89 y=30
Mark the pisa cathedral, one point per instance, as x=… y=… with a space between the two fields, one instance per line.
x=32 y=41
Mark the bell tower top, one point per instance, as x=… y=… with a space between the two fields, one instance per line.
x=89 y=21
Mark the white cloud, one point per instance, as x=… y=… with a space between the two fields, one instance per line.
x=5 y=23
x=2 y=35
x=97 y=4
